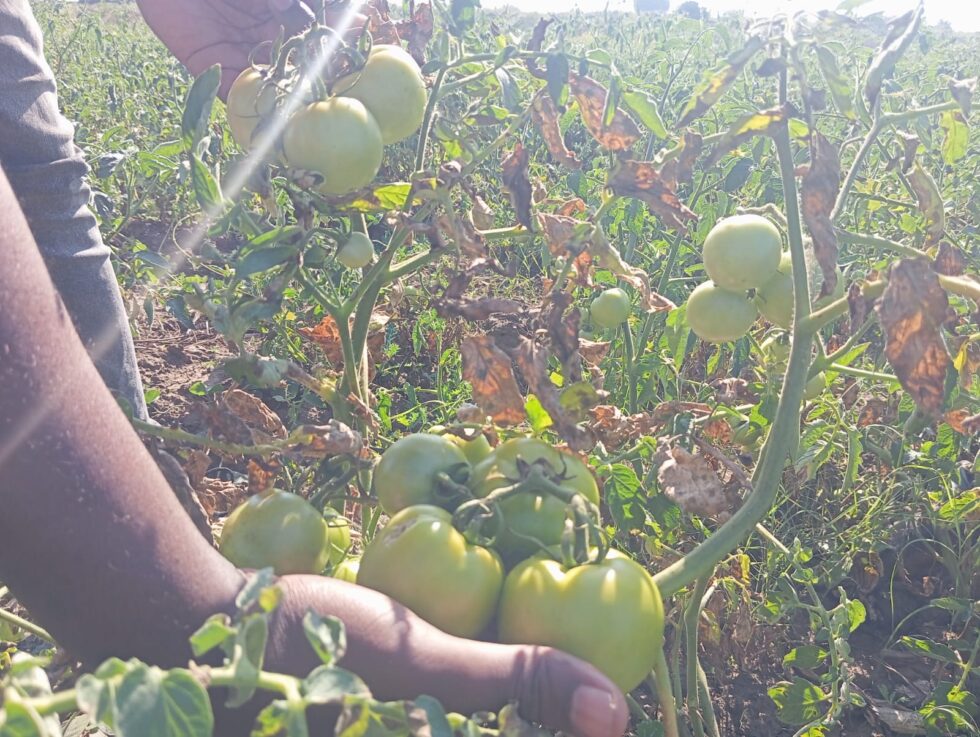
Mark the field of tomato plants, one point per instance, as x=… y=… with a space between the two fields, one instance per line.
x=654 y=338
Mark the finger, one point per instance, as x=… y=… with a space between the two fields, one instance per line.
x=294 y=16
x=563 y=692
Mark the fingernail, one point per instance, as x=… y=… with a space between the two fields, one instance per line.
x=593 y=712
x=281 y=6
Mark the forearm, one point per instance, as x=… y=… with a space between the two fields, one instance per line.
x=92 y=540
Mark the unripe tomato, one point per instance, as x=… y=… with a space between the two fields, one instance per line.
x=541 y=516
x=775 y=298
x=717 y=315
x=609 y=614
x=475 y=446
x=357 y=252
x=347 y=569
x=422 y=561
x=815 y=386
x=775 y=350
x=338 y=139
x=406 y=474
x=392 y=88
x=610 y=309
x=285 y=532
x=250 y=100
x=742 y=252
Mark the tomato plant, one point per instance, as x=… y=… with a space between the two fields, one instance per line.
x=610 y=309
x=407 y=473
x=718 y=315
x=285 y=532
x=391 y=87
x=608 y=613
x=339 y=140
x=742 y=252
x=422 y=561
x=530 y=519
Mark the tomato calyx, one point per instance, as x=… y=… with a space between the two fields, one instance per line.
x=481 y=519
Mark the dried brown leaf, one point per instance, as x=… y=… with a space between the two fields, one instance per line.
x=950 y=260
x=621 y=133
x=691 y=483
x=963 y=422
x=640 y=179
x=417 y=31
x=489 y=371
x=818 y=194
x=545 y=116
x=912 y=311
x=711 y=90
x=518 y=185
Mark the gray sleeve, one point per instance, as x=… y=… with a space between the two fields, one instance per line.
x=47 y=171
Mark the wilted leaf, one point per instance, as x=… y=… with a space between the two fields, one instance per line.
x=711 y=90
x=477 y=309
x=609 y=258
x=324 y=441
x=262 y=473
x=640 y=179
x=818 y=193
x=518 y=185
x=470 y=243
x=930 y=203
x=678 y=170
x=962 y=91
x=381 y=198
x=912 y=311
x=762 y=123
x=495 y=390
x=562 y=324
x=417 y=31
x=717 y=430
x=689 y=481
x=867 y=571
x=620 y=133
x=545 y=116
x=901 y=32
x=963 y=422
x=957 y=138
x=564 y=236
x=950 y=260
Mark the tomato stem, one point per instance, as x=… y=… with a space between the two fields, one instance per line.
x=665 y=694
x=26 y=625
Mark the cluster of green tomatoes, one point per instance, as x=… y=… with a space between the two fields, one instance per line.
x=477 y=543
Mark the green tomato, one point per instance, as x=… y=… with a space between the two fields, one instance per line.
x=815 y=386
x=357 y=252
x=775 y=298
x=392 y=88
x=475 y=446
x=406 y=474
x=530 y=515
x=347 y=569
x=742 y=252
x=609 y=614
x=285 y=532
x=775 y=350
x=422 y=561
x=717 y=315
x=610 y=309
x=338 y=139
x=250 y=100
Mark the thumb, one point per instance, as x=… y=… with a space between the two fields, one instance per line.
x=563 y=692
x=291 y=14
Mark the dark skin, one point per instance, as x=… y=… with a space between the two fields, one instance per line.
x=97 y=547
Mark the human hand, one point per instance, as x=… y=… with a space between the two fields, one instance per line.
x=202 y=33
x=400 y=656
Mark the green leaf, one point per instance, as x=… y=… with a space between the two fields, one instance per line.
x=646 y=110
x=577 y=399
x=263 y=259
x=281 y=718
x=621 y=492
x=247 y=655
x=957 y=136
x=856 y=614
x=213 y=633
x=931 y=649
x=206 y=188
x=798 y=702
x=556 y=72
x=840 y=86
x=510 y=92
x=329 y=685
x=537 y=415
x=197 y=108
x=154 y=703
x=435 y=715
x=326 y=635
x=806 y=657
x=463 y=16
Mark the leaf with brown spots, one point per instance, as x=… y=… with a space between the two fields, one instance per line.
x=252 y=412
x=610 y=426
x=733 y=390
x=325 y=441
x=481 y=214
x=963 y=422
x=593 y=351
x=478 y=309
x=489 y=371
x=818 y=193
x=950 y=260
x=762 y=123
x=621 y=133
x=470 y=243
x=912 y=311
x=717 y=430
x=691 y=483
x=711 y=90
x=326 y=336
x=967 y=360
x=518 y=185
x=545 y=116
x=640 y=179
x=562 y=325
x=930 y=203
x=262 y=473
x=563 y=235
